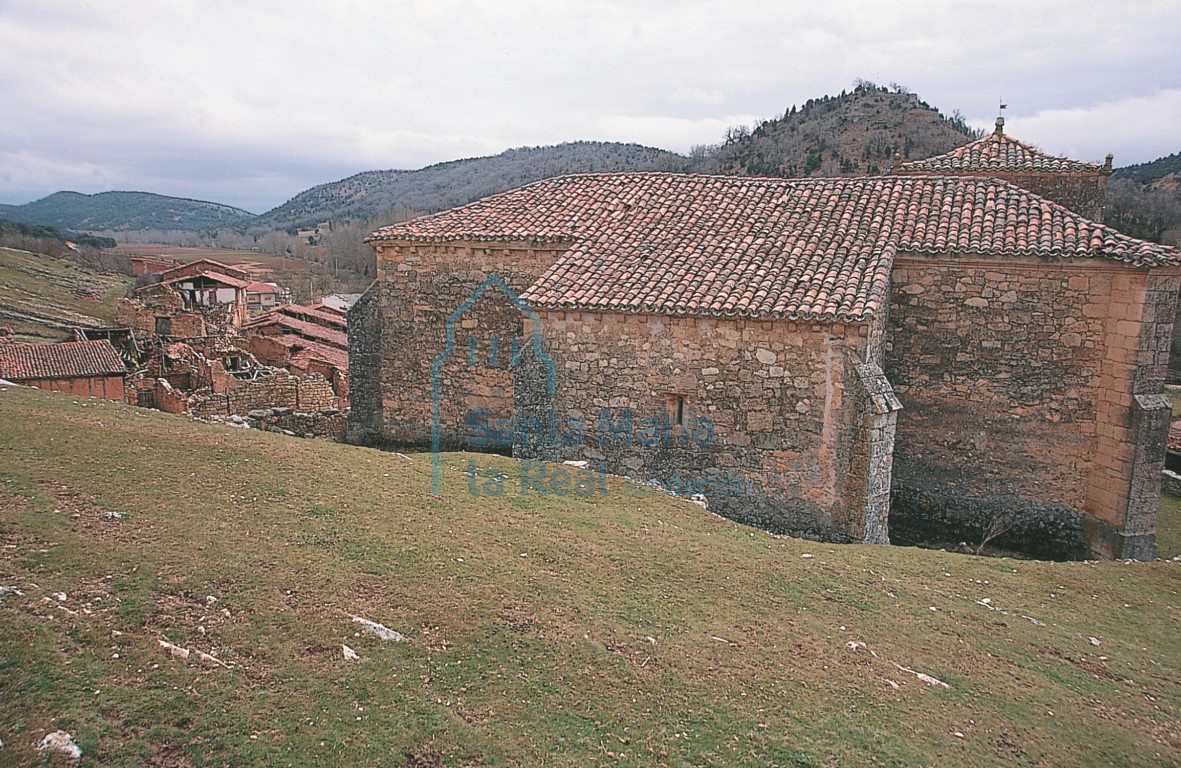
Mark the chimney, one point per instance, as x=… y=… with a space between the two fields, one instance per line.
x=1000 y=126
x=1107 y=164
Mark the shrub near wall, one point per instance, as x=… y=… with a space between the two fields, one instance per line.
x=1039 y=529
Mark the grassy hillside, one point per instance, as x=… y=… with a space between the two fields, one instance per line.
x=42 y=297
x=539 y=631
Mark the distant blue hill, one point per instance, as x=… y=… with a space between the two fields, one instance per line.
x=123 y=211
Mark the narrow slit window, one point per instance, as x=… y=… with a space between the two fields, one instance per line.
x=676 y=410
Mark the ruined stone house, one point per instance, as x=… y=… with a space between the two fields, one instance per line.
x=304 y=340
x=199 y=299
x=792 y=349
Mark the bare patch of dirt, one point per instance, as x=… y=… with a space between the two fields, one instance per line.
x=1166 y=734
x=426 y=756
x=1096 y=668
x=195 y=623
x=90 y=519
x=12 y=543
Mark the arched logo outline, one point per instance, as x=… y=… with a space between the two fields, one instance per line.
x=492 y=281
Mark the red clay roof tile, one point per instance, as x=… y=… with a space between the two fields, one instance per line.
x=284 y=322
x=74 y=359
x=994 y=153
x=794 y=248
x=215 y=276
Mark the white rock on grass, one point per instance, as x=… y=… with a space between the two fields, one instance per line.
x=175 y=651
x=924 y=677
x=384 y=632
x=349 y=653
x=60 y=741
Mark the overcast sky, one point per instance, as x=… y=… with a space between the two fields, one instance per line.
x=249 y=103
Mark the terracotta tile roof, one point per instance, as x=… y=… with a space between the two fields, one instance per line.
x=795 y=248
x=996 y=153
x=215 y=276
x=283 y=322
x=316 y=313
x=74 y=359
x=209 y=265
x=259 y=287
x=304 y=351
x=337 y=311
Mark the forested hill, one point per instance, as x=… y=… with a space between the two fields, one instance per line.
x=854 y=134
x=121 y=211
x=1144 y=200
x=446 y=185
x=1163 y=173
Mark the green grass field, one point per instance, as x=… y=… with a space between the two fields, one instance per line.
x=540 y=631
x=40 y=294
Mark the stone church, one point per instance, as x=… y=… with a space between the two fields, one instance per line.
x=835 y=358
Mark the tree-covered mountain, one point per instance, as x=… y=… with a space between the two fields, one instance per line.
x=446 y=185
x=1144 y=200
x=121 y=211
x=1162 y=173
x=857 y=133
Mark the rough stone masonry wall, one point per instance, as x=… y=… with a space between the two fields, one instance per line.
x=365 y=369
x=773 y=428
x=1018 y=383
x=303 y=394
x=1171 y=483
x=399 y=328
x=872 y=464
x=141 y=314
x=768 y=415
x=329 y=422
